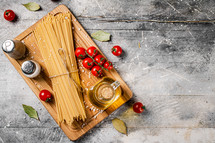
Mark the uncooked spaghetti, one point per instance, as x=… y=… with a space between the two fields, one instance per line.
x=55 y=41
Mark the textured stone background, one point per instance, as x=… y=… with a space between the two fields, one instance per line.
x=173 y=72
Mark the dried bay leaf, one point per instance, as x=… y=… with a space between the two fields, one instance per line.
x=119 y=125
x=32 y=6
x=101 y=36
x=30 y=111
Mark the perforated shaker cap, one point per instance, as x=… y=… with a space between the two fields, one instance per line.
x=8 y=46
x=28 y=67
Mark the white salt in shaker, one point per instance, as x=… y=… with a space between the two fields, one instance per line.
x=31 y=69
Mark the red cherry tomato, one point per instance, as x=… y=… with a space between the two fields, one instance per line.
x=96 y=71
x=138 y=107
x=80 y=52
x=88 y=63
x=108 y=65
x=92 y=51
x=117 y=50
x=9 y=15
x=100 y=59
x=45 y=95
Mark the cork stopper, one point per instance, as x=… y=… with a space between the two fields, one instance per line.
x=106 y=92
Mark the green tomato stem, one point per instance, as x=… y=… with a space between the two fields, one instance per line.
x=7 y=12
x=96 y=61
x=48 y=99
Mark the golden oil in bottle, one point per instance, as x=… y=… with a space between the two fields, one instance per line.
x=104 y=93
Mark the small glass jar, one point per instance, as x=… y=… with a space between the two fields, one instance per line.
x=31 y=69
x=14 y=48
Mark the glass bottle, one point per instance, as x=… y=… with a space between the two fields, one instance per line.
x=104 y=93
x=14 y=48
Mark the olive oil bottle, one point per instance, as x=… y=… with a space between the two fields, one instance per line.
x=104 y=93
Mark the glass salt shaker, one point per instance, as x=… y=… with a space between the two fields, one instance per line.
x=31 y=69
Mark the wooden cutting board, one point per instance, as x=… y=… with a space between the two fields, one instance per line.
x=81 y=39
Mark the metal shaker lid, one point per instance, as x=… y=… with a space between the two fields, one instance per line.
x=8 y=46
x=28 y=67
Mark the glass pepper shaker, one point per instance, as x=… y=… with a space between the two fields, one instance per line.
x=14 y=48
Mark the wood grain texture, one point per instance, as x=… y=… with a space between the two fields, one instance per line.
x=82 y=39
x=172 y=73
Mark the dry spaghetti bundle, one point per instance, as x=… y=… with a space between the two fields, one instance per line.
x=55 y=41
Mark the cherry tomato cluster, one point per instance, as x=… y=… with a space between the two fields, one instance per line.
x=93 y=60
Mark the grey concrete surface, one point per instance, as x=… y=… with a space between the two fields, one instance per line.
x=172 y=72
